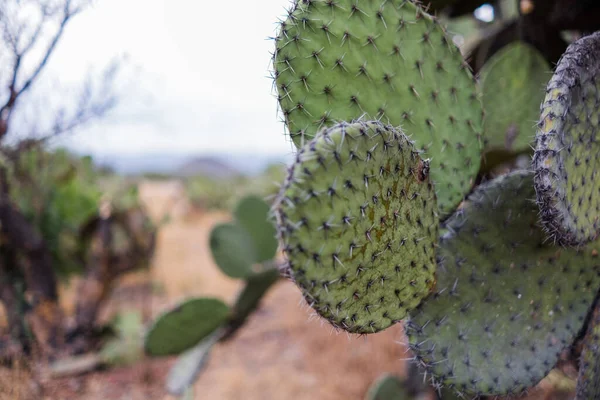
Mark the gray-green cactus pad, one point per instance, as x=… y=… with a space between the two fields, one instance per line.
x=385 y=60
x=513 y=84
x=588 y=381
x=506 y=302
x=252 y=214
x=567 y=152
x=357 y=216
x=183 y=327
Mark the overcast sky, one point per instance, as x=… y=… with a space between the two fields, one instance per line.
x=199 y=71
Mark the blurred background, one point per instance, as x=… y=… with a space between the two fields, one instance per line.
x=129 y=129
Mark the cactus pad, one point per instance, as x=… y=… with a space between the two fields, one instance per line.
x=183 y=327
x=233 y=250
x=512 y=86
x=385 y=60
x=506 y=304
x=357 y=216
x=388 y=387
x=252 y=214
x=588 y=381
x=567 y=153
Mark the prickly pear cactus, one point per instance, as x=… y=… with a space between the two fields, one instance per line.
x=513 y=85
x=506 y=302
x=357 y=217
x=588 y=381
x=183 y=327
x=249 y=299
x=567 y=151
x=385 y=60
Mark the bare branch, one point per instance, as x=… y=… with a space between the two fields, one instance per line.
x=15 y=36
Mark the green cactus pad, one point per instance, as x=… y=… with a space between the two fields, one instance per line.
x=588 y=381
x=357 y=216
x=567 y=151
x=506 y=302
x=388 y=387
x=513 y=85
x=252 y=214
x=385 y=60
x=183 y=327
x=233 y=250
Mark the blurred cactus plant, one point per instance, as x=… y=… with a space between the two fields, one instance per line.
x=57 y=221
x=245 y=249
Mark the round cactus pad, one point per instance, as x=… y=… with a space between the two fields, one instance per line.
x=183 y=327
x=233 y=250
x=567 y=152
x=252 y=214
x=357 y=216
x=513 y=84
x=382 y=60
x=507 y=303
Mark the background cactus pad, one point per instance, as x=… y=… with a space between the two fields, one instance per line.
x=386 y=60
x=252 y=214
x=240 y=248
x=567 y=153
x=183 y=327
x=506 y=304
x=357 y=216
x=513 y=85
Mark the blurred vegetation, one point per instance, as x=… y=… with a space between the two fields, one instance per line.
x=59 y=193
x=63 y=216
x=222 y=194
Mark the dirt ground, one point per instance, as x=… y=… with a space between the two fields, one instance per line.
x=284 y=352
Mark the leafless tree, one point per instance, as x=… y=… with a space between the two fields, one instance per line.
x=30 y=31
